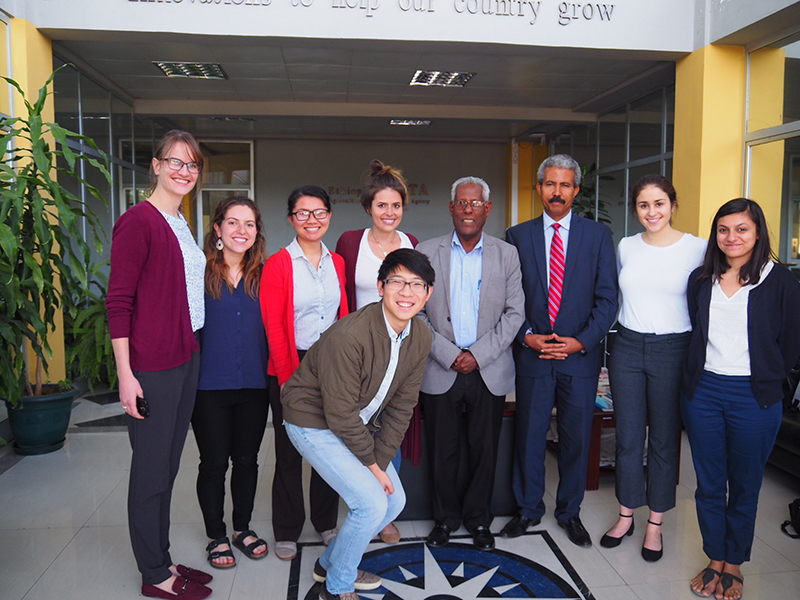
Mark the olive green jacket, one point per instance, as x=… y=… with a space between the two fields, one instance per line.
x=341 y=374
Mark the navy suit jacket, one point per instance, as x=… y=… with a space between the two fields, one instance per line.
x=589 y=298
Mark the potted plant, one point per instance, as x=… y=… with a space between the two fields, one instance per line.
x=43 y=261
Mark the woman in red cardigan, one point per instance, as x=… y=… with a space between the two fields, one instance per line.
x=384 y=196
x=302 y=294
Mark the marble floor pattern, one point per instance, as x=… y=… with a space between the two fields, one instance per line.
x=64 y=530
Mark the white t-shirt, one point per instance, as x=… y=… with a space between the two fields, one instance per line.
x=367 y=266
x=653 y=281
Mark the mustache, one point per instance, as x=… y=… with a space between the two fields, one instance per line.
x=555 y=199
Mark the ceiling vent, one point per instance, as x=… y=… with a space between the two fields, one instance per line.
x=191 y=70
x=441 y=78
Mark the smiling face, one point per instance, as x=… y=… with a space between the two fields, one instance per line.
x=313 y=229
x=469 y=221
x=736 y=237
x=654 y=208
x=557 y=191
x=176 y=183
x=238 y=230
x=386 y=210
x=402 y=305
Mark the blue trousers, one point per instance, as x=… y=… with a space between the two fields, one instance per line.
x=573 y=398
x=731 y=438
x=645 y=375
x=371 y=509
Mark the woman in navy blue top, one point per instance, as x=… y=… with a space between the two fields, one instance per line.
x=230 y=414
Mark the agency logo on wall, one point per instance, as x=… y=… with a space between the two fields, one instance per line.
x=412 y=571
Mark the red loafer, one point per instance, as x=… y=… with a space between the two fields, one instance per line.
x=183 y=588
x=193 y=574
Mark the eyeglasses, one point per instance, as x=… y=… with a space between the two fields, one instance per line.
x=397 y=285
x=475 y=204
x=320 y=214
x=176 y=164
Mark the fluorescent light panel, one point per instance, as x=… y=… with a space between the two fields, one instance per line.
x=441 y=78
x=191 y=70
x=412 y=122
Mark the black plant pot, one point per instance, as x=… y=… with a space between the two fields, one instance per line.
x=39 y=423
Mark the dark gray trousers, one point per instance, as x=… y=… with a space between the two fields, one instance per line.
x=157 y=443
x=645 y=376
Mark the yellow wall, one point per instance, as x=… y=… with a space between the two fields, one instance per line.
x=31 y=65
x=767 y=68
x=709 y=117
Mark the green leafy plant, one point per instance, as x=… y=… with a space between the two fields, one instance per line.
x=584 y=202
x=44 y=258
x=89 y=351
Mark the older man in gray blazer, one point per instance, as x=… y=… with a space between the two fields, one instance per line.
x=474 y=313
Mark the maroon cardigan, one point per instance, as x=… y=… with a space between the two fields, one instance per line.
x=347 y=247
x=146 y=300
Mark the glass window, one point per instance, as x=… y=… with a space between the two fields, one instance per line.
x=774 y=84
x=646 y=118
x=612 y=129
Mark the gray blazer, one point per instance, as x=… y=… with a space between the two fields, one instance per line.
x=500 y=315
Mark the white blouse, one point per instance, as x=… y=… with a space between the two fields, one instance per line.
x=367 y=266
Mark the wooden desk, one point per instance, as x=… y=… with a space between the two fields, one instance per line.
x=601 y=420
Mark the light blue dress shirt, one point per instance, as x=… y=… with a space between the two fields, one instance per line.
x=465 y=290
x=316 y=295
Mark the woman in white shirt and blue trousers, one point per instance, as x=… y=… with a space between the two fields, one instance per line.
x=647 y=357
x=745 y=311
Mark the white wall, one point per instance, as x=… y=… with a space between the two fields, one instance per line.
x=282 y=165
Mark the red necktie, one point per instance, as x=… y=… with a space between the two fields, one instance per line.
x=556 y=274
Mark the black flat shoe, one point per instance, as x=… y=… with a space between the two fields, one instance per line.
x=439 y=536
x=608 y=541
x=517 y=526
x=653 y=555
x=576 y=532
x=482 y=538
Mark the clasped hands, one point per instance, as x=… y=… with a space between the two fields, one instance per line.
x=464 y=363
x=552 y=346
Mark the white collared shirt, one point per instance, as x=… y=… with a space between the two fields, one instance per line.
x=565 y=223
x=396 y=340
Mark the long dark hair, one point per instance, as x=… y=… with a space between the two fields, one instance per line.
x=312 y=191
x=254 y=257
x=715 y=263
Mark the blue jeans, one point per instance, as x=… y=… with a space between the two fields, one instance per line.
x=731 y=437
x=371 y=509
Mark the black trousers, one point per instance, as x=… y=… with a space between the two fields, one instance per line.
x=157 y=443
x=444 y=421
x=288 y=508
x=228 y=426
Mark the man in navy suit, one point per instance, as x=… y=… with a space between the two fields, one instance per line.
x=570 y=286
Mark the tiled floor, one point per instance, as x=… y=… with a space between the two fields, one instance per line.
x=64 y=534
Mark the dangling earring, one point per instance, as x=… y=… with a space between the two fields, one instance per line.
x=220 y=246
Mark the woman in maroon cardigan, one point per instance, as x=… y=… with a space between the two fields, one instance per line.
x=155 y=308
x=383 y=197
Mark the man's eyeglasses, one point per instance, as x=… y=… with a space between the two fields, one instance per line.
x=303 y=215
x=397 y=285
x=176 y=164
x=475 y=204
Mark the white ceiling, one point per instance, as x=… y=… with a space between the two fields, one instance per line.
x=351 y=88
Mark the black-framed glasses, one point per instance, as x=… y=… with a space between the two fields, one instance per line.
x=397 y=285
x=475 y=204
x=176 y=164
x=320 y=214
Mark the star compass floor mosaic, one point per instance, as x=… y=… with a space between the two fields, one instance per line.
x=412 y=571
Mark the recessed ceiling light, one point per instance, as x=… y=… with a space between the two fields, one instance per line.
x=191 y=70
x=415 y=122
x=441 y=78
x=229 y=119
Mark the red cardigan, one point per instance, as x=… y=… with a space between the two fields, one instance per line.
x=277 y=310
x=146 y=299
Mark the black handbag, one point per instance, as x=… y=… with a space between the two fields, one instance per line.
x=794 y=520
